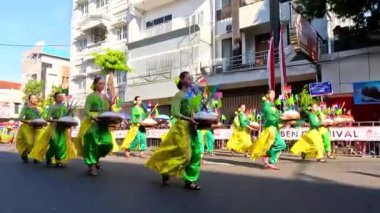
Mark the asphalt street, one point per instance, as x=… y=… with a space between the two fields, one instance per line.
x=229 y=184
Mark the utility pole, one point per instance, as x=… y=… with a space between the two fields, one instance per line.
x=274 y=6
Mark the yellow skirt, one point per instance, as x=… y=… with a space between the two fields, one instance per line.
x=78 y=141
x=42 y=145
x=131 y=135
x=240 y=140
x=163 y=136
x=174 y=152
x=263 y=143
x=26 y=136
x=310 y=143
x=115 y=146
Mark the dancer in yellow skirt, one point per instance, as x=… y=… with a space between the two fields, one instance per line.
x=269 y=144
x=136 y=136
x=55 y=142
x=310 y=145
x=27 y=135
x=240 y=140
x=179 y=154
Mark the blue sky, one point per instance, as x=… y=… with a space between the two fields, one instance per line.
x=27 y=22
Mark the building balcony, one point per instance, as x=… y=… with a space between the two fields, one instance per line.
x=120 y=20
x=253 y=12
x=149 y=4
x=247 y=61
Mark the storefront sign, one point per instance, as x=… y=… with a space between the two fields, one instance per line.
x=367 y=92
x=321 y=88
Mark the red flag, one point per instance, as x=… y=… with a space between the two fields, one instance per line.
x=270 y=64
x=284 y=80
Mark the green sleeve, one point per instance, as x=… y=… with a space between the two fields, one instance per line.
x=314 y=121
x=22 y=114
x=243 y=120
x=176 y=105
x=87 y=106
x=135 y=115
x=50 y=112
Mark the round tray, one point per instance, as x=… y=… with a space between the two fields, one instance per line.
x=66 y=123
x=110 y=121
x=38 y=124
x=148 y=124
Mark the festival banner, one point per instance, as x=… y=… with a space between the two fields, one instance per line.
x=370 y=133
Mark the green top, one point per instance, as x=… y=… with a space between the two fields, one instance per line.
x=241 y=120
x=271 y=116
x=29 y=113
x=315 y=122
x=57 y=111
x=138 y=114
x=95 y=103
x=181 y=105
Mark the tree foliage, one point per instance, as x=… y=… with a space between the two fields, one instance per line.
x=112 y=60
x=109 y=62
x=33 y=87
x=363 y=13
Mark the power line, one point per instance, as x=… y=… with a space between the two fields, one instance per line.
x=33 y=45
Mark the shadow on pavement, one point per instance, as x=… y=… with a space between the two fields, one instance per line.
x=125 y=187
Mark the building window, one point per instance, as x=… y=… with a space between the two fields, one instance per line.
x=227 y=48
x=226 y=3
x=34 y=77
x=17 y=108
x=158 y=21
x=122 y=33
x=99 y=34
x=82 y=84
x=83 y=8
x=82 y=44
x=121 y=77
x=101 y=3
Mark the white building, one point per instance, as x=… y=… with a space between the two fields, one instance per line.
x=165 y=38
x=10 y=100
x=50 y=65
x=96 y=25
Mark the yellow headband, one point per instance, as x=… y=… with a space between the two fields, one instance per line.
x=176 y=81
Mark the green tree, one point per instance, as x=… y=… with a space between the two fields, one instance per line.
x=110 y=62
x=363 y=13
x=34 y=87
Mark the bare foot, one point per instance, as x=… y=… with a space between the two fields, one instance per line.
x=127 y=154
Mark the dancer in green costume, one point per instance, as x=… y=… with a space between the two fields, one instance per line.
x=55 y=142
x=179 y=154
x=136 y=136
x=27 y=135
x=269 y=144
x=97 y=139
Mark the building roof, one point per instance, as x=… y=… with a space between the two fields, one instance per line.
x=9 y=85
x=55 y=52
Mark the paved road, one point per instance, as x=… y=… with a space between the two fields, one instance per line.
x=229 y=185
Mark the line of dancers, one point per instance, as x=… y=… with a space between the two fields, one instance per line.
x=180 y=152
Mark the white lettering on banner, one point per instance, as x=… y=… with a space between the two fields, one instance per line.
x=370 y=133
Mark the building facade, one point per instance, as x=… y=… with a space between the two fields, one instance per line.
x=52 y=66
x=227 y=40
x=10 y=100
x=96 y=25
